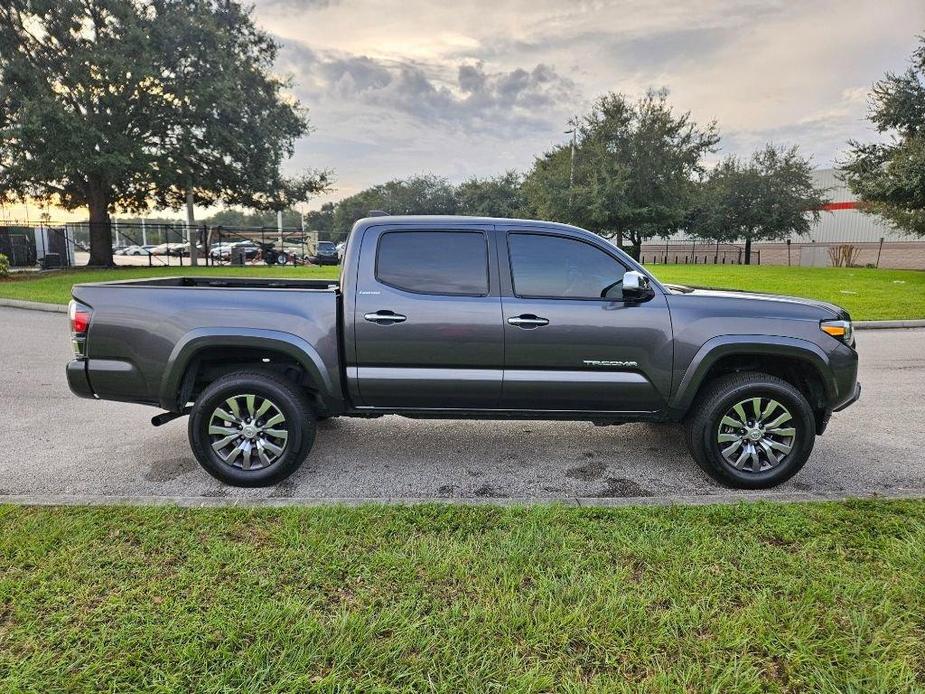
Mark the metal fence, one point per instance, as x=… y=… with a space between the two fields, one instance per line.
x=697 y=253
x=68 y=244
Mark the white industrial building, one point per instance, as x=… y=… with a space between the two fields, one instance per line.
x=840 y=223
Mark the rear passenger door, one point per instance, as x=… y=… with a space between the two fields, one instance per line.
x=427 y=319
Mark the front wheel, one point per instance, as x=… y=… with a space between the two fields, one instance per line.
x=751 y=430
x=282 y=258
x=251 y=429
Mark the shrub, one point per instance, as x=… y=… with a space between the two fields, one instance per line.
x=4 y=265
x=844 y=255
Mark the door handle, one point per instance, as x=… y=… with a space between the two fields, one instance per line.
x=528 y=321
x=384 y=317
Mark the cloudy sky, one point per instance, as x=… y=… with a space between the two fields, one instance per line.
x=397 y=87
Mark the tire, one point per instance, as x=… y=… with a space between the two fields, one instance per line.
x=265 y=457
x=282 y=259
x=787 y=431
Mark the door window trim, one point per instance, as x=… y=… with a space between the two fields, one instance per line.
x=481 y=232
x=525 y=232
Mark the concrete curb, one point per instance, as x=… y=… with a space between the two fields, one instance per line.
x=887 y=324
x=859 y=325
x=723 y=498
x=33 y=306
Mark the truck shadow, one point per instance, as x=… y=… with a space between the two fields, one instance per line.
x=398 y=457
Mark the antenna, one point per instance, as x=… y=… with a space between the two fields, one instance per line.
x=378 y=213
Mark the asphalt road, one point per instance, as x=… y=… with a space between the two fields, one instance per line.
x=55 y=444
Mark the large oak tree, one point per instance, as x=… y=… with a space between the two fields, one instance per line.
x=120 y=104
x=633 y=173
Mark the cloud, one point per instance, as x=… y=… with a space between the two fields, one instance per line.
x=296 y=5
x=478 y=87
x=470 y=97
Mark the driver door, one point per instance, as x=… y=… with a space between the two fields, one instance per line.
x=567 y=347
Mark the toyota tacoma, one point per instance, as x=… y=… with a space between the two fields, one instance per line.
x=461 y=317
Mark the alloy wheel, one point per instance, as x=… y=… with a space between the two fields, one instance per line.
x=756 y=434
x=248 y=432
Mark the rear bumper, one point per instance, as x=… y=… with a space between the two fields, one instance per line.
x=77 y=379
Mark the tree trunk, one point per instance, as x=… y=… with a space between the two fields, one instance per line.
x=635 y=247
x=748 y=250
x=100 y=225
x=191 y=231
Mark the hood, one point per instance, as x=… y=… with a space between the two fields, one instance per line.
x=836 y=311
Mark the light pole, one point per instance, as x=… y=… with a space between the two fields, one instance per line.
x=573 y=131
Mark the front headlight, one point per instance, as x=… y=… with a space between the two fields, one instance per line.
x=840 y=329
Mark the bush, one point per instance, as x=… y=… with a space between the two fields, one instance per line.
x=4 y=265
x=844 y=255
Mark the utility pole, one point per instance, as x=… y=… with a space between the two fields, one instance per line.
x=144 y=233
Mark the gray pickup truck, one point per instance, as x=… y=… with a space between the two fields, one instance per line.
x=467 y=317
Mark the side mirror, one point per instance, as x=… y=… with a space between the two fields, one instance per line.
x=636 y=287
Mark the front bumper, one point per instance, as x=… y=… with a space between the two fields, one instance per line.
x=850 y=401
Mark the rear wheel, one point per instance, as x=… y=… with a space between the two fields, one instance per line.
x=751 y=430
x=251 y=429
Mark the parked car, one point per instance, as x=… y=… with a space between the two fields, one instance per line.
x=167 y=249
x=249 y=249
x=467 y=317
x=136 y=250
x=326 y=254
x=221 y=251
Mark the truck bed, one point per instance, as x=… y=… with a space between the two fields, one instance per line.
x=142 y=329
x=231 y=282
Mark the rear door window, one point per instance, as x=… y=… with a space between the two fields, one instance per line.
x=434 y=262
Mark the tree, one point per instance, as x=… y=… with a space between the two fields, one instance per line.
x=499 y=196
x=321 y=220
x=548 y=192
x=423 y=194
x=765 y=198
x=633 y=174
x=114 y=105
x=238 y=218
x=890 y=176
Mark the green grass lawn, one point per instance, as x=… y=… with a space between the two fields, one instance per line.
x=868 y=294
x=748 y=598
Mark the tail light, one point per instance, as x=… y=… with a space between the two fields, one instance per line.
x=79 y=315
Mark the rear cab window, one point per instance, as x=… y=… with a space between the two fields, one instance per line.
x=449 y=263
